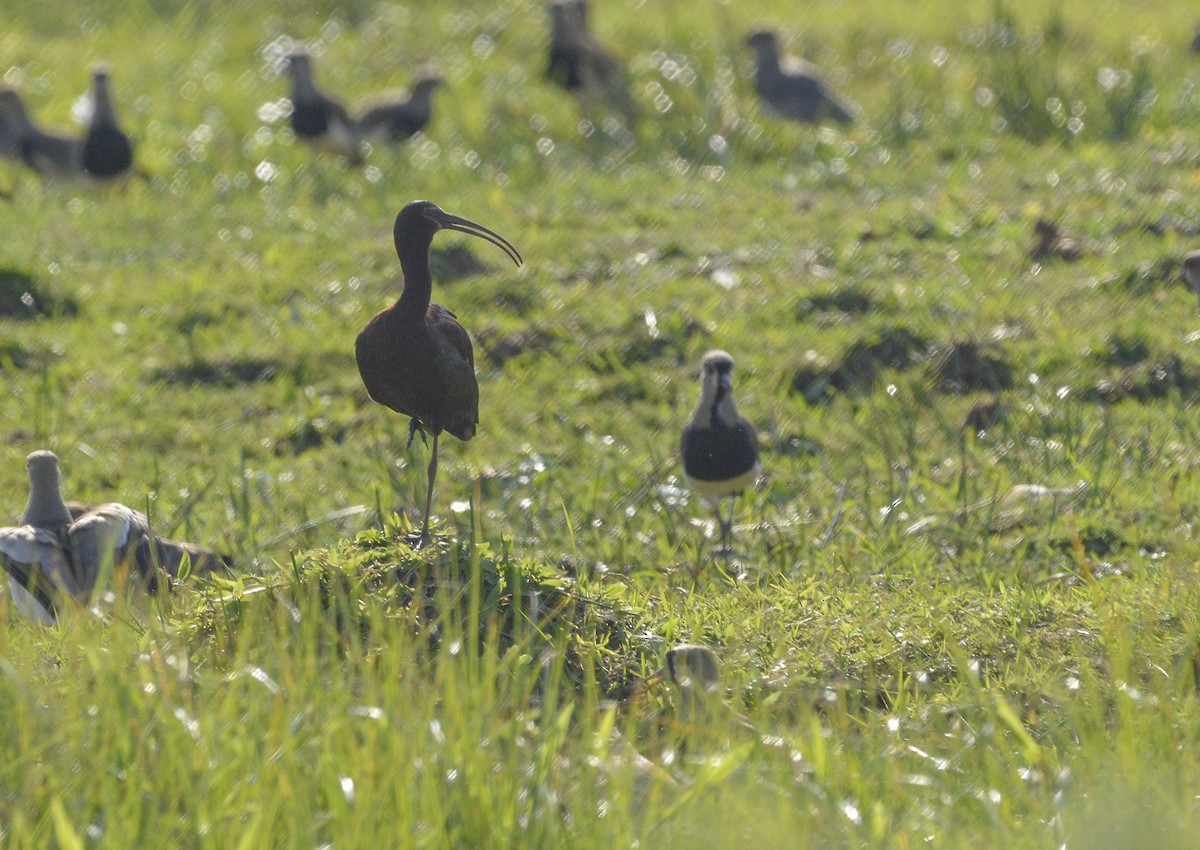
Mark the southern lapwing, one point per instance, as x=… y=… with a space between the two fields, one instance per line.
x=792 y=88
x=317 y=118
x=415 y=357
x=581 y=65
x=107 y=151
x=397 y=118
x=55 y=156
x=60 y=552
x=719 y=446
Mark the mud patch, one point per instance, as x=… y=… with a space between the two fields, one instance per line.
x=22 y=298
x=1146 y=381
x=224 y=372
x=499 y=347
x=964 y=367
x=454 y=262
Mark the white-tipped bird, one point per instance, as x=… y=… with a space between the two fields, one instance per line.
x=792 y=88
x=396 y=118
x=317 y=118
x=55 y=156
x=107 y=151
x=60 y=552
x=719 y=446
x=581 y=65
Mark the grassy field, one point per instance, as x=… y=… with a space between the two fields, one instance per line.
x=930 y=637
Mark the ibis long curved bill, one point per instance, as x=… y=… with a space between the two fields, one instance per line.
x=465 y=225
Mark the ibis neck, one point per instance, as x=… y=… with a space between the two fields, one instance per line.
x=418 y=280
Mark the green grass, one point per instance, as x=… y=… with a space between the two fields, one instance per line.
x=916 y=650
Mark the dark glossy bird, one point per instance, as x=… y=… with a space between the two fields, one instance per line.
x=107 y=151
x=719 y=446
x=397 y=118
x=55 y=156
x=317 y=118
x=415 y=357
x=581 y=65
x=61 y=551
x=792 y=88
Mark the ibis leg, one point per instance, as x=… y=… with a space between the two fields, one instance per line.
x=429 y=495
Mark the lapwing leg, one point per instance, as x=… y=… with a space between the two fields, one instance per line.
x=414 y=428
x=429 y=495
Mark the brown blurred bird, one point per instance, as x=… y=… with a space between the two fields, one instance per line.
x=792 y=88
x=397 y=118
x=719 y=446
x=1049 y=242
x=317 y=118
x=415 y=357
x=60 y=551
x=580 y=65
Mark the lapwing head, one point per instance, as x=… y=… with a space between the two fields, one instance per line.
x=762 y=41
x=425 y=218
x=717 y=374
x=42 y=467
x=11 y=105
x=427 y=81
x=298 y=65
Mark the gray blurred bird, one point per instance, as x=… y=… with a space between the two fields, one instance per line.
x=107 y=151
x=317 y=118
x=792 y=88
x=719 y=446
x=397 y=118
x=1191 y=270
x=581 y=66
x=53 y=155
x=104 y=152
x=61 y=550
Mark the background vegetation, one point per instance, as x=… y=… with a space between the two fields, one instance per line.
x=929 y=636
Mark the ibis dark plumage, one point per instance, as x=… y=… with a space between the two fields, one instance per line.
x=719 y=446
x=397 y=118
x=317 y=118
x=415 y=357
x=792 y=88
x=61 y=550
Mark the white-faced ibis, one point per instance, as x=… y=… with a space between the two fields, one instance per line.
x=317 y=118
x=719 y=446
x=581 y=65
x=53 y=155
x=792 y=88
x=1191 y=270
x=107 y=151
x=415 y=357
x=396 y=118
x=61 y=550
